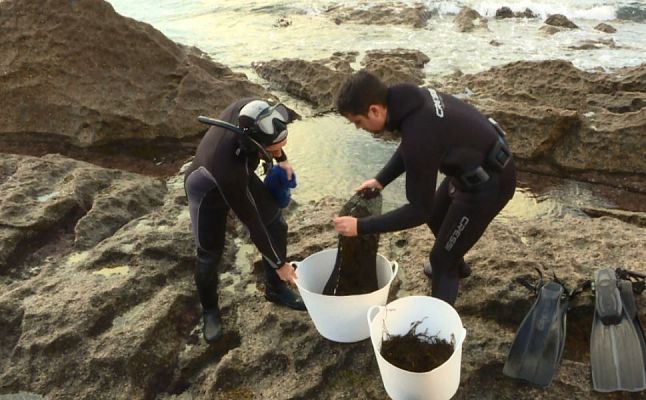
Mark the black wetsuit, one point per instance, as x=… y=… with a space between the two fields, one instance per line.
x=440 y=133
x=220 y=179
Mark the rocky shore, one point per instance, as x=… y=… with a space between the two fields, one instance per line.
x=96 y=257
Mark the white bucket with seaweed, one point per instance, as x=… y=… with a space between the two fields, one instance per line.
x=425 y=317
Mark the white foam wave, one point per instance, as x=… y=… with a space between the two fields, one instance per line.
x=588 y=10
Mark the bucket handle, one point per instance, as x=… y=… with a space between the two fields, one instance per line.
x=371 y=312
x=295 y=264
x=463 y=335
x=394 y=266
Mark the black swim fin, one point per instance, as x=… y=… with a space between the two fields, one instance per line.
x=537 y=349
x=617 y=345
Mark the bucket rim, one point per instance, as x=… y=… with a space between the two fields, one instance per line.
x=394 y=270
x=460 y=333
x=456 y=349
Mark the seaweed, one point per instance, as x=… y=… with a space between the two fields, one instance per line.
x=355 y=267
x=416 y=351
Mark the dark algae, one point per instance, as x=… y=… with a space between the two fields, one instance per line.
x=355 y=268
x=416 y=351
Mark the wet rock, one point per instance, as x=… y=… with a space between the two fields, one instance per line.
x=312 y=81
x=542 y=104
x=103 y=310
x=318 y=81
x=504 y=12
x=92 y=76
x=397 y=65
x=341 y=61
x=631 y=217
x=57 y=199
x=122 y=317
x=415 y=15
x=469 y=19
x=526 y=14
x=566 y=120
x=561 y=21
x=594 y=44
x=550 y=30
x=607 y=28
x=282 y=22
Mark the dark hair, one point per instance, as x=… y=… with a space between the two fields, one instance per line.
x=359 y=91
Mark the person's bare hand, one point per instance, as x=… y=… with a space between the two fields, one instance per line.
x=287 y=274
x=288 y=168
x=369 y=184
x=346 y=226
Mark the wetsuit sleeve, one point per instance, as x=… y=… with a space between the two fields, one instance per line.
x=241 y=201
x=399 y=219
x=393 y=168
x=422 y=165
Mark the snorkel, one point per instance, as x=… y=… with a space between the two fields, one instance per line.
x=246 y=142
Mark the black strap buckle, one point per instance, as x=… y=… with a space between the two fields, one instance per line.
x=474 y=178
x=499 y=155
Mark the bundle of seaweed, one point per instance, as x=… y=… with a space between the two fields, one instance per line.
x=416 y=351
x=355 y=268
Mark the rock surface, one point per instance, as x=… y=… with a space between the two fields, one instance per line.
x=561 y=21
x=317 y=82
x=93 y=77
x=560 y=120
x=395 y=13
x=469 y=19
x=119 y=319
x=607 y=28
x=506 y=12
x=567 y=120
x=96 y=265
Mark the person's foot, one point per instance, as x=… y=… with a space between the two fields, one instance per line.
x=212 y=328
x=284 y=296
x=464 y=270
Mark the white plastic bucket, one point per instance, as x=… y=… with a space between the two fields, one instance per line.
x=440 y=319
x=340 y=318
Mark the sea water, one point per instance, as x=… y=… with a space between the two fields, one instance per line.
x=329 y=155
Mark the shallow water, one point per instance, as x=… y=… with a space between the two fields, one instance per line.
x=329 y=155
x=238 y=33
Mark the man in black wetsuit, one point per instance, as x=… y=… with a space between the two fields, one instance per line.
x=439 y=133
x=221 y=177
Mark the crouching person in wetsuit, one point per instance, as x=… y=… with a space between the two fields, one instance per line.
x=221 y=177
x=438 y=133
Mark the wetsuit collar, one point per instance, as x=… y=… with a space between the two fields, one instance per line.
x=402 y=100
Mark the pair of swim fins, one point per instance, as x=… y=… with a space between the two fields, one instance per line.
x=617 y=345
